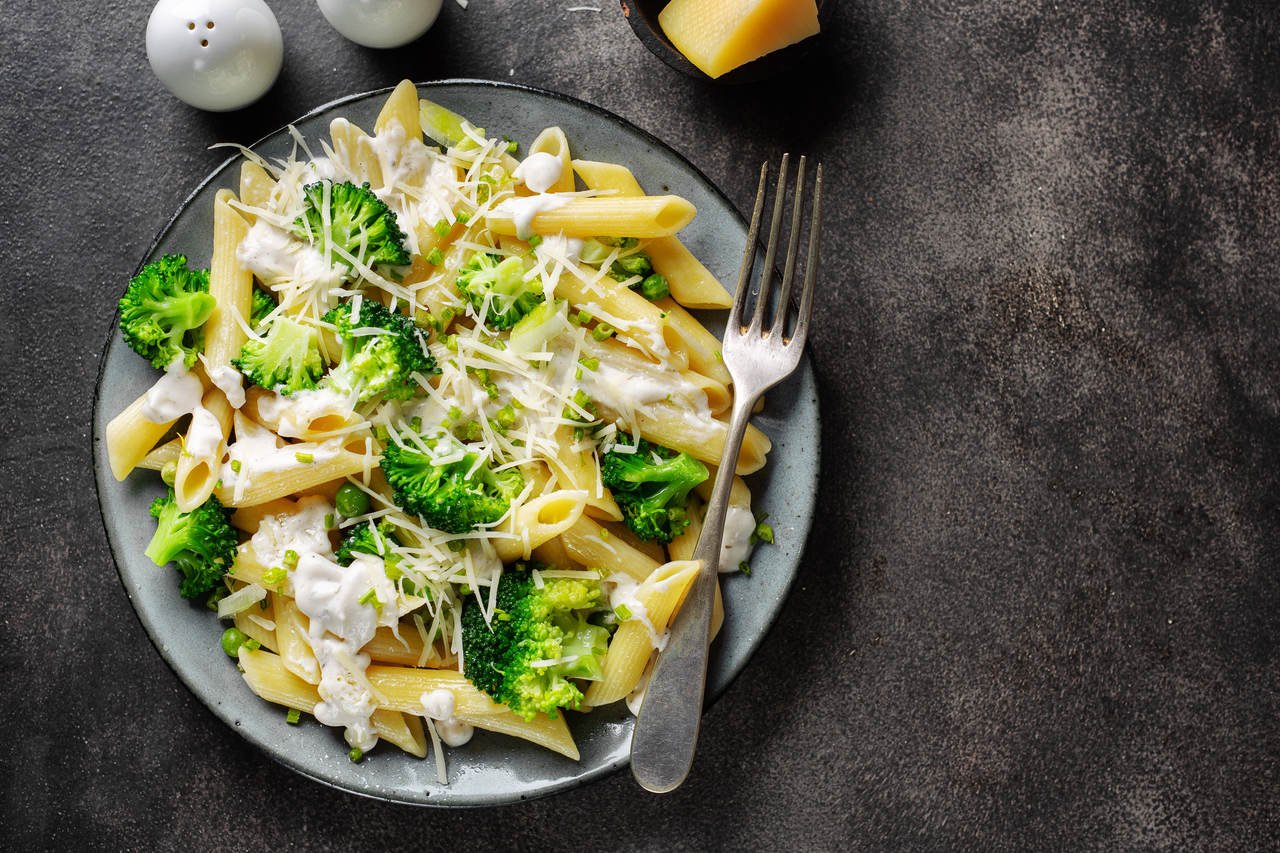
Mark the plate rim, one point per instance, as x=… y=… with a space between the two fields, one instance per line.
x=97 y=436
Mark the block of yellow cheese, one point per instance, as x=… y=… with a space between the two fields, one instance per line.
x=719 y=35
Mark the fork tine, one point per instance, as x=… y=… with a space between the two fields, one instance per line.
x=793 y=244
x=811 y=261
x=749 y=255
x=775 y=228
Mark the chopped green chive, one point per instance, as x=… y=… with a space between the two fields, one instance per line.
x=304 y=458
x=435 y=257
x=745 y=568
x=236 y=465
x=442 y=228
x=290 y=559
x=294 y=717
x=762 y=533
x=602 y=332
x=463 y=217
x=274 y=576
x=535 y=241
x=624 y=612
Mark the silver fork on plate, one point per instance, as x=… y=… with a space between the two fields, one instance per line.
x=758 y=357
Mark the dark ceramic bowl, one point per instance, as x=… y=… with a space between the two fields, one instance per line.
x=643 y=17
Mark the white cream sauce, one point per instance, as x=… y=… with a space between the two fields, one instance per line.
x=230 y=382
x=539 y=171
x=274 y=256
x=302 y=532
x=739 y=524
x=175 y=394
x=439 y=706
x=293 y=415
x=204 y=436
x=622 y=593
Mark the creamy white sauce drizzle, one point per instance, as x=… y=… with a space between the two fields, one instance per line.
x=303 y=532
x=276 y=257
x=175 y=394
x=204 y=435
x=539 y=171
x=439 y=706
x=294 y=414
x=230 y=382
x=622 y=593
x=739 y=524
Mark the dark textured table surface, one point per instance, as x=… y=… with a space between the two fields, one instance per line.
x=1040 y=606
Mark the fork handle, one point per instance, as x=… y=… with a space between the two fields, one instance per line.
x=666 y=729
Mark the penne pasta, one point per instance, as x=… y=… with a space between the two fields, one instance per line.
x=691 y=283
x=657 y=600
x=587 y=216
x=229 y=284
x=401 y=108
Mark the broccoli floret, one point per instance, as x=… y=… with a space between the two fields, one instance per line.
x=201 y=543
x=358 y=222
x=163 y=310
x=652 y=488
x=381 y=364
x=362 y=538
x=454 y=496
x=539 y=639
x=262 y=306
x=502 y=282
x=286 y=360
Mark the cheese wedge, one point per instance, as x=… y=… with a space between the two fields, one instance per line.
x=719 y=35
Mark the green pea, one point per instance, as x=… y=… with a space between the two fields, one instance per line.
x=232 y=640
x=351 y=500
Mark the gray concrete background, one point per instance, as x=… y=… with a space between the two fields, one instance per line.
x=1041 y=608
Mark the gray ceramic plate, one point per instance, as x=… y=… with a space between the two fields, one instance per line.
x=491 y=769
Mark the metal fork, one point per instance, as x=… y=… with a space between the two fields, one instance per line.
x=666 y=730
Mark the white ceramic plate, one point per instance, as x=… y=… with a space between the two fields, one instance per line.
x=491 y=769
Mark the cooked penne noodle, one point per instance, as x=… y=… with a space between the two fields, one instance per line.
x=587 y=216
x=229 y=284
x=607 y=176
x=401 y=108
x=298 y=478
x=256 y=186
x=162 y=456
x=291 y=640
x=702 y=349
x=682 y=548
x=540 y=520
x=130 y=437
x=592 y=546
x=403 y=687
x=197 y=474
x=659 y=597
x=403 y=730
x=578 y=469
x=691 y=283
